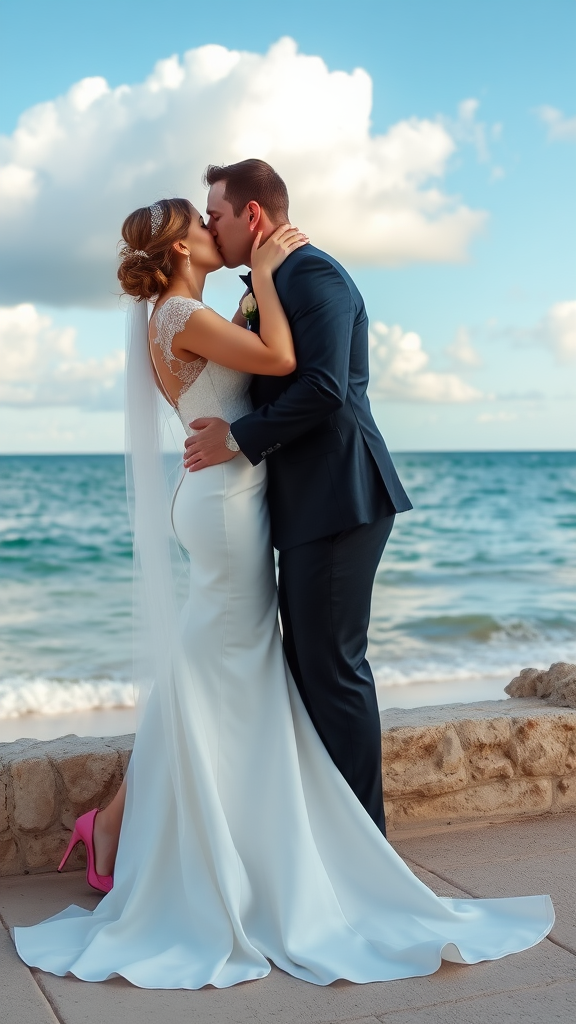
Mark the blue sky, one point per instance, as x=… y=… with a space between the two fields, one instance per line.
x=495 y=319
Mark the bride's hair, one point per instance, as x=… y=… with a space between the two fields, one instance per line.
x=146 y=259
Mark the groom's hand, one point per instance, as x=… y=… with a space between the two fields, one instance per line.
x=207 y=448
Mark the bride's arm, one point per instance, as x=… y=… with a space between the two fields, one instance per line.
x=209 y=335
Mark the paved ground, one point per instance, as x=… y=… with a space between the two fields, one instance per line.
x=535 y=855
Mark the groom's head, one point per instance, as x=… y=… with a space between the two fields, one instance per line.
x=244 y=198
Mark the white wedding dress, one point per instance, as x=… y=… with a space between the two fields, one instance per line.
x=242 y=844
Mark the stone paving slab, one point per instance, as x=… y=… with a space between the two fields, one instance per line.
x=551 y=1004
x=277 y=999
x=529 y=837
x=438 y=885
x=358 y=1020
x=27 y=899
x=280 y=999
x=527 y=876
x=21 y=1001
x=284 y=1000
x=519 y=858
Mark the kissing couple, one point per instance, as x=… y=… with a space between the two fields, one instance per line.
x=250 y=827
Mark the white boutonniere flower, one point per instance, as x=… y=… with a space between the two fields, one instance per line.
x=249 y=307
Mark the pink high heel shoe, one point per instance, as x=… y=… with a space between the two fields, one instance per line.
x=84 y=833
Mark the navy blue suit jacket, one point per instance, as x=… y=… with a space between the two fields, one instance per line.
x=328 y=466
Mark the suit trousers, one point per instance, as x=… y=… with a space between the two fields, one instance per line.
x=325 y=591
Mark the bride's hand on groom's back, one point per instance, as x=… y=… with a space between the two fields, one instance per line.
x=272 y=253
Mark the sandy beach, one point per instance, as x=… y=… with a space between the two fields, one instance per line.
x=426 y=694
x=103 y=722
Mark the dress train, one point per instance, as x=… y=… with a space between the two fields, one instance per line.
x=241 y=843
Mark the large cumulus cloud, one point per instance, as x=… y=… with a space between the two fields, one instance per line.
x=75 y=166
x=41 y=366
x=399 y=370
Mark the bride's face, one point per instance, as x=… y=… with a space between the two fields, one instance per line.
x=203 y=249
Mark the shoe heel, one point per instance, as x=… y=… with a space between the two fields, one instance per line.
x=76 y=838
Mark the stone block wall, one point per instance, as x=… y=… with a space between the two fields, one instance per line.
x=466 y=762
x=459 y=763
x=44 y=787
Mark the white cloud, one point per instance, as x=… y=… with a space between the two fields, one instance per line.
x=466 y=129
x=76 y=166
x=399 y=370
x=40 y=365
x=462 y=349
x=558 y=330
x=560 y=128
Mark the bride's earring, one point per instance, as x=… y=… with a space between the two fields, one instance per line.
x=188 y=262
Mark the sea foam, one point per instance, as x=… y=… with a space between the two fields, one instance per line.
x=21 y=696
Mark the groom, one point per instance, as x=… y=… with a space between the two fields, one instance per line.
x=333 y=491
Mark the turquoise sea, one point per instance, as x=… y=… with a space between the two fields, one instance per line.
x=476 y=583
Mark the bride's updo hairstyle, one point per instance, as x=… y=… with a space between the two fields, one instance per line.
x=147 y=258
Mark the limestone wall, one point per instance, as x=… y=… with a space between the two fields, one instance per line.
x=466 y=762
x=462 y=762
x=44 y=786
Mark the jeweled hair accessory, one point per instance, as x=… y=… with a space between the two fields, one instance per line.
x=128 y=252
x=156 y=217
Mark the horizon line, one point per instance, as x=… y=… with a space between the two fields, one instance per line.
x=397 y=451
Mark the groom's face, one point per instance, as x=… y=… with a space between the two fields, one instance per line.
x=233 y=235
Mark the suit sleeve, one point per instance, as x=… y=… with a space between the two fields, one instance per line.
x=321 y=311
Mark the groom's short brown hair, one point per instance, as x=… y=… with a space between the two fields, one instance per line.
x=251 y=181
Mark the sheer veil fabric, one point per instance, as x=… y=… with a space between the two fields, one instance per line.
x=241 y=843
x=147 y=488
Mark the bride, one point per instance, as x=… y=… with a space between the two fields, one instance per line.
x=235 y=841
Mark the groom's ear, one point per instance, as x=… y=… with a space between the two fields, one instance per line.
x=254 y=211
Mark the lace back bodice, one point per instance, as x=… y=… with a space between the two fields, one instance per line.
x=170 y=320
x=208 y=389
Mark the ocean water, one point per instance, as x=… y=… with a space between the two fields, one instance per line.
x=477 y=582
